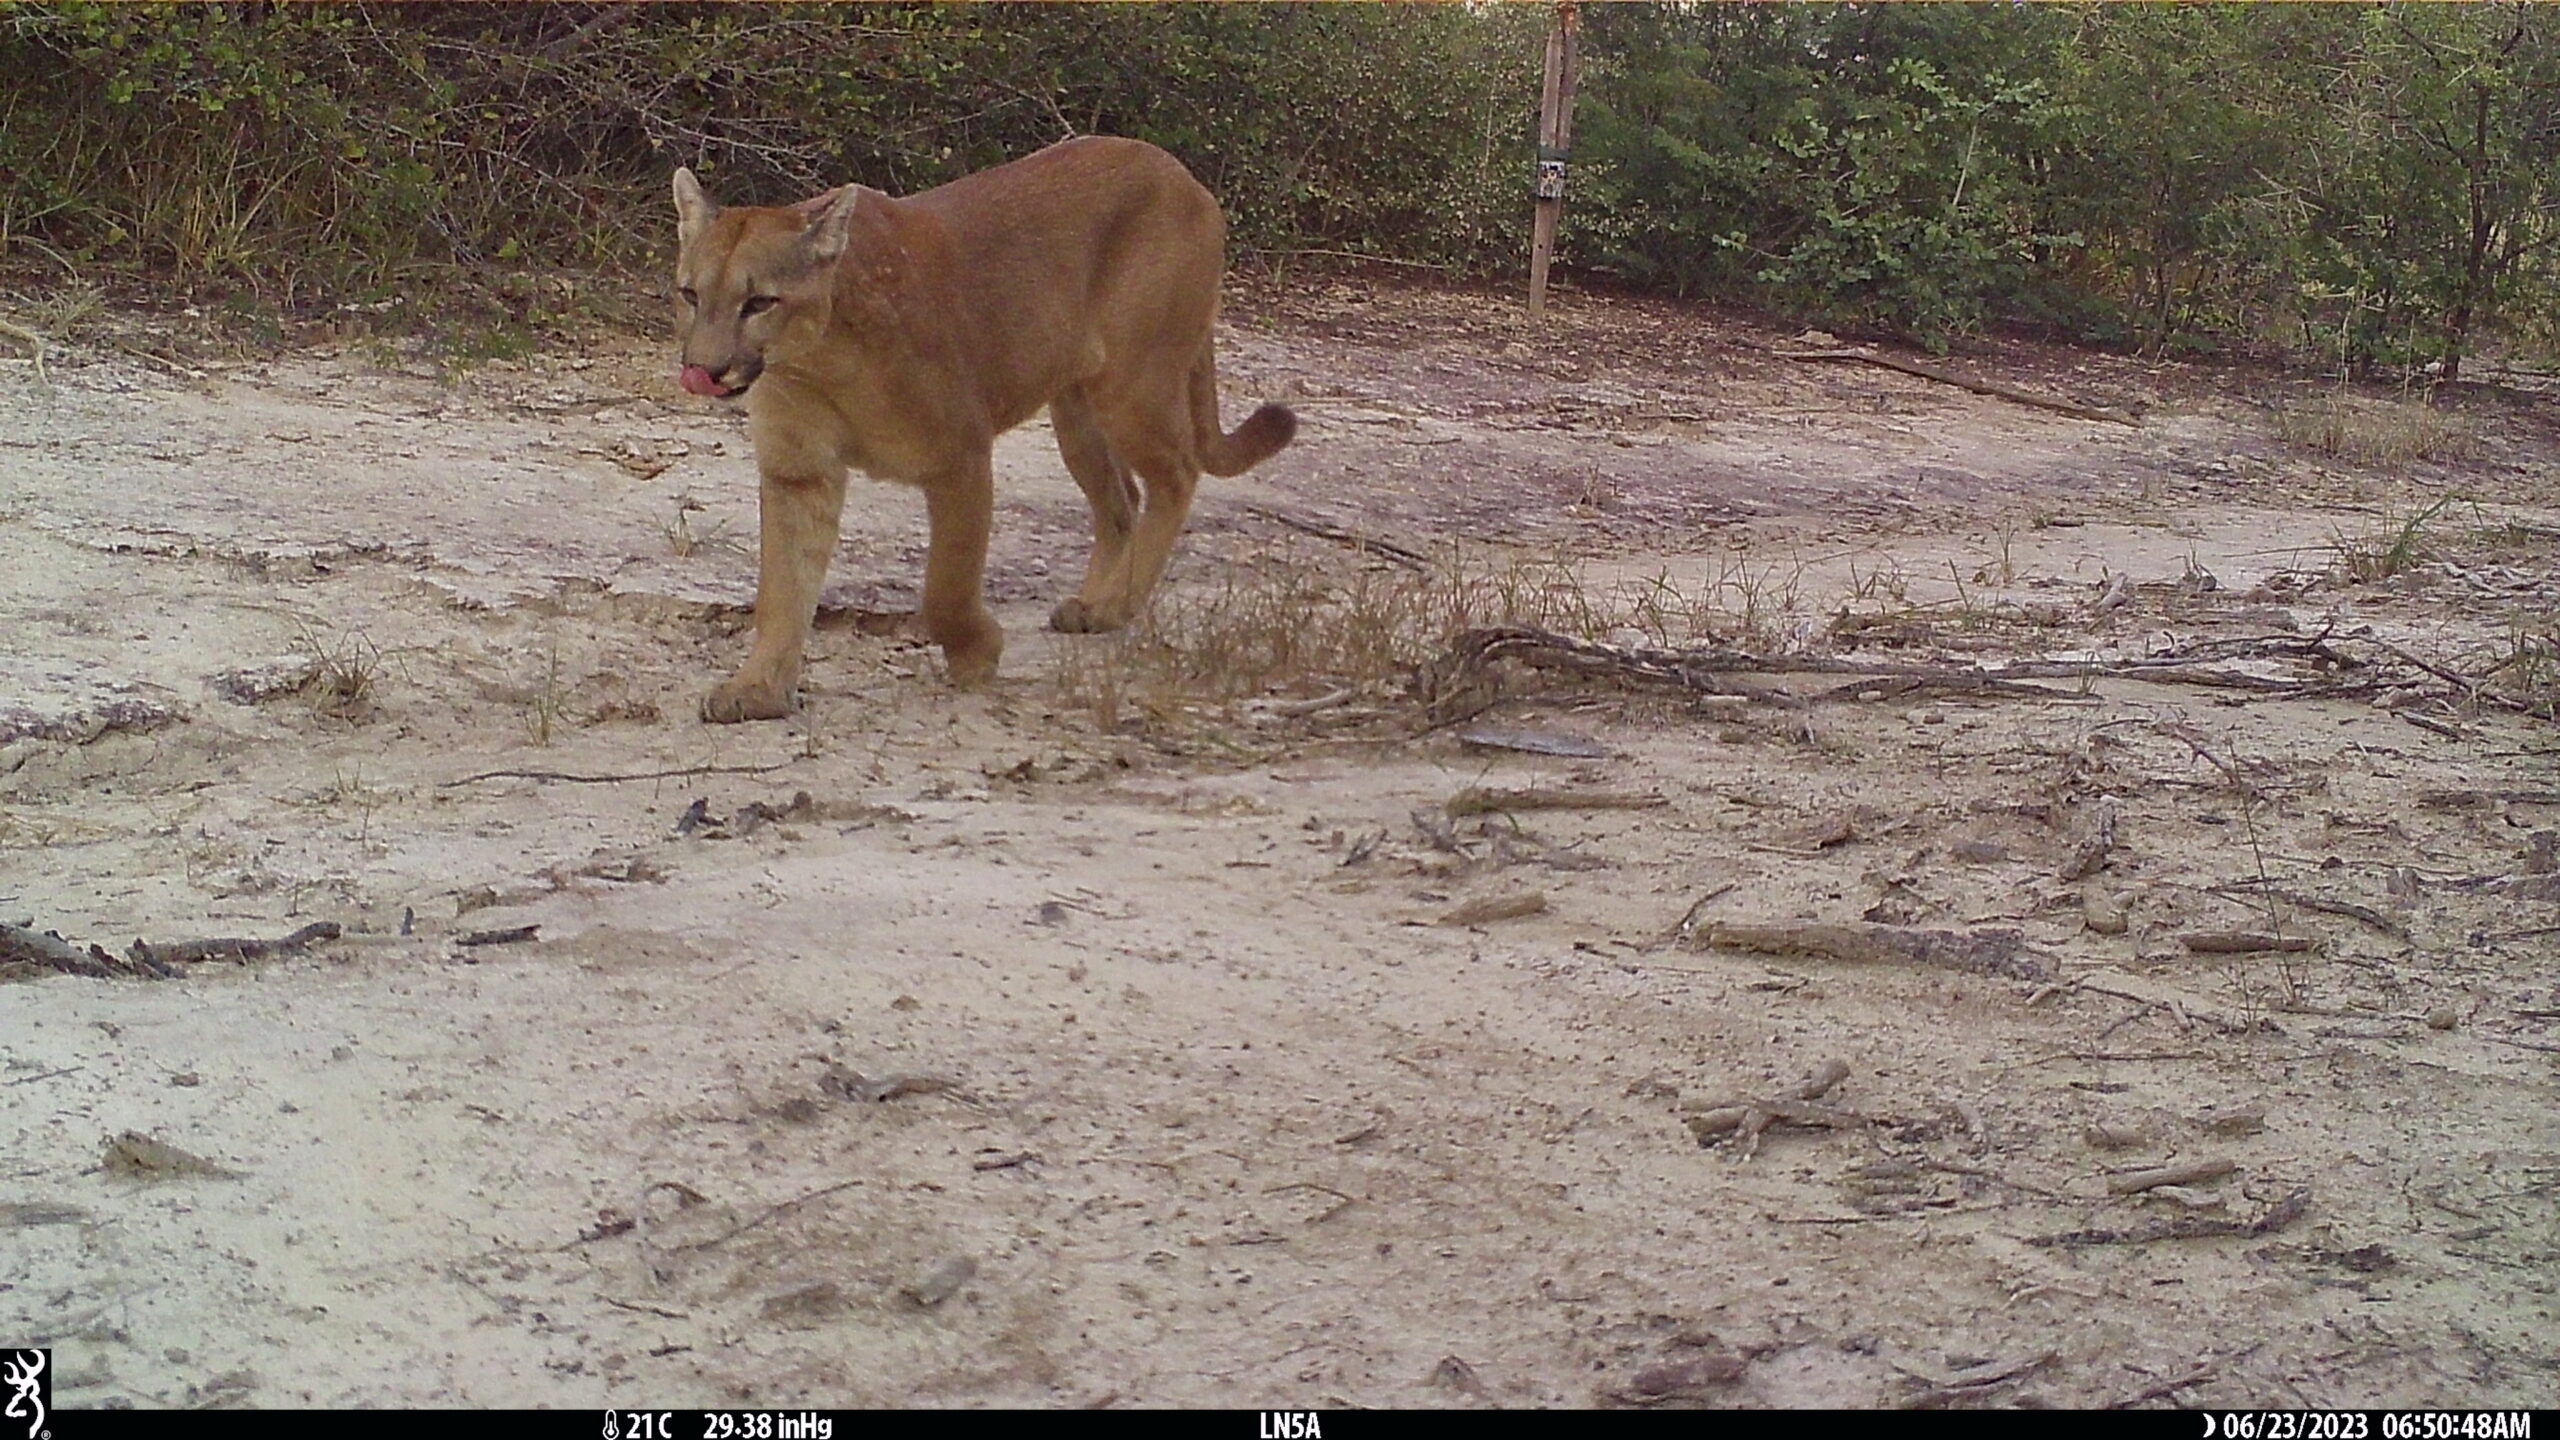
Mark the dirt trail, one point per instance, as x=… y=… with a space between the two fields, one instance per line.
x=1031 y=1059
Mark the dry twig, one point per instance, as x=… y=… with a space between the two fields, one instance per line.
x=1989 y=951
x=1992 y=388
x=2188 y=1227
x=568 y=778
x=1410 y=559
x=1478 y=800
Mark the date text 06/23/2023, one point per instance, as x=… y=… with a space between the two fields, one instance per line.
x=2368 y=1425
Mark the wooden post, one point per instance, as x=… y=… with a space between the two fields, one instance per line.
x=1555 y=140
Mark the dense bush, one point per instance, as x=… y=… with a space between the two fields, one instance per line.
x=345 y=147
x=2377 y=184
x=2372 y=182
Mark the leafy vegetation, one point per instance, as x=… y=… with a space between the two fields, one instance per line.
x=2378 y=185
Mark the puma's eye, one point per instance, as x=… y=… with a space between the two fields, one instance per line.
x=758 y=304
x=687 y=296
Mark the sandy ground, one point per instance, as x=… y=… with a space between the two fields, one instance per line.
x=1048 y=1056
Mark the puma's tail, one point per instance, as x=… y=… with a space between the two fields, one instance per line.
x=1259 y=438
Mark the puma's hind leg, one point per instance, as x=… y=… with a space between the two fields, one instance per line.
x=1103 y=602
x=1171 y=481
x=1150 y=435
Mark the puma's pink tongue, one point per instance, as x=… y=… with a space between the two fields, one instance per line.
x=697 y=380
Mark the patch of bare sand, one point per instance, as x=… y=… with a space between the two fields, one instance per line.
x=1034 y=1061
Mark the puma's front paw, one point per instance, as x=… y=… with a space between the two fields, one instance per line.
x=972 y=667
x=972 y=642
x=744 y=699
x=1074 y=617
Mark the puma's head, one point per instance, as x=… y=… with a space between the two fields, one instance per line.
x=749 y=280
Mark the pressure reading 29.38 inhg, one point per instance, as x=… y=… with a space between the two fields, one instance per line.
x=717 y=1425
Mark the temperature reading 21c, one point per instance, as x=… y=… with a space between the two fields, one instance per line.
x=639 y=1425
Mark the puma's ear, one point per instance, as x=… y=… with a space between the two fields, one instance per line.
x=693 y=208
x=831 y=225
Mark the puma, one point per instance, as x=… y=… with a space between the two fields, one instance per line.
x=901 y=336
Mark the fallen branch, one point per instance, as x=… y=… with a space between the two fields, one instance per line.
x=2522 y=1044
x=1991 y=951
x=1681 y=932
x=2166 y=1388
x=2364 y=913
x=1948 y=682
x=2471 y=685
x=1412 y=559
x=769 y=1214
x=191 y=952
x=2466 y=799
x=2134 y=1182
x=1299 y=709
x=1477 y=800
x=23 y=946
x=1979 y=387
x=1745 y=1118
x=1945 y=1391
x=512 y=935
x=1534 y=742
x=2145 y=991
x=2242 y=942
x=2187 y=1227
x=565 y=776
x=1460 y=674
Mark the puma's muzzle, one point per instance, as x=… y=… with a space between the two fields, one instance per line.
x=727 y=383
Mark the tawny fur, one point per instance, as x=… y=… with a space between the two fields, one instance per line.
x=901 y=336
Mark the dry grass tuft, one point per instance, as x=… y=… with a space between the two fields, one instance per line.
x=2529 y=671
x=2382 y=432
x=1282 y=627
x=2389 y=551
x=343 y=668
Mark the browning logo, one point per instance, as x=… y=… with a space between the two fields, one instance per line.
x=27 y=1378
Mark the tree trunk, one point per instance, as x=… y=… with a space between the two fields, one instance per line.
x=2475 y=263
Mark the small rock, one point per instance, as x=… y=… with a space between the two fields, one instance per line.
x=2104 y=1136
x=2542 y=853
x=1682 y=1377
x=2232 y=1122
x=941 y=1282
x=806 y=1305
x=2103 y=913
x=1497 y=907
x=137 y=1156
